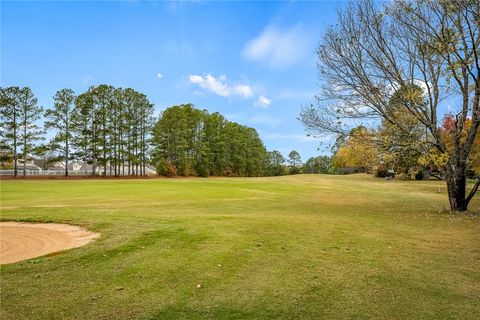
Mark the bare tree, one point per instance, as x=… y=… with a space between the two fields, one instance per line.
x=375 y=50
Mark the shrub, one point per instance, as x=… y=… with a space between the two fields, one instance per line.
x=294 y=170
x=161 y=167
x=171 y=169
x=349 y=170
x=381 y=173
x=419 y=175
x=202 y=170
x=229 y=172
x=166 y=168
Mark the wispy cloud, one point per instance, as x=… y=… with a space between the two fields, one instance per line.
x=264 y=119
x=263 y=102
x=280 y=48
x=295 y=94
x=86 y=80
x=298 y=137
x=221 y=86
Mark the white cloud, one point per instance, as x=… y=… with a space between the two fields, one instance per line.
x=243 y=90
x=392 y=88
x=280 y=48
x=159 y=75
x=220 y=86
x=263 y=102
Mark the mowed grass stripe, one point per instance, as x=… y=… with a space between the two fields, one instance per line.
x=297 y=247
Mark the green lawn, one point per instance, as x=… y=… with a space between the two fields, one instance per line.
x=297 y=247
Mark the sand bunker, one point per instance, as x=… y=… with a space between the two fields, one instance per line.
x=21 y=241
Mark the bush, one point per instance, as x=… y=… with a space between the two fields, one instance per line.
x=229 y=172
x=294 y=170
x=349 y=170
x=419 y=175
x=203 y=170
x=171 y=169
x=381 y=173
x=166 y=168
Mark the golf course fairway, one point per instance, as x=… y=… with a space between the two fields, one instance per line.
x=292 y=247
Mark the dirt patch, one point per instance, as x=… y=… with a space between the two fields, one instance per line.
x=20 y=241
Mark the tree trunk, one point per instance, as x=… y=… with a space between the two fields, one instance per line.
x=66 y=158
x=94 y=158
x=24 y=162
x=15 y=156
x=456 y=184
x=104 y=157
x=25 y=149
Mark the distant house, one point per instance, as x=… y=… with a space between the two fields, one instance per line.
x=75 y=168
x=30 y=163
x=56 y=166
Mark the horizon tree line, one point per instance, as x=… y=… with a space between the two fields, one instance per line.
x=188 y=141
x=114 y=131
x=104 y=126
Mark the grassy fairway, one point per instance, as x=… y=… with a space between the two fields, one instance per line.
x=298 y=247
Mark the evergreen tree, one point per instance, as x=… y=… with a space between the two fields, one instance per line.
x=295 y=162
x=60 y=119
x=84 y=129
x=320 y=164
x=10 y=120
x=30 y=132
x=275 y=163
x=194 y=142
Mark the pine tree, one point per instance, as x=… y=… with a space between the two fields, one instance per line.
x=30 y=132
x=10 y=120
x=60 y=119
x=83 y=127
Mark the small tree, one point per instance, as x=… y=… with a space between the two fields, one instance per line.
x=46 y=155
x=401 y=148
x=6 y=156
x=295 y=162
x=275 y=163
x=358 y=150
x=320 y=164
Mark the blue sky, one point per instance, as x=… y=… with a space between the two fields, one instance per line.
x=254 y=62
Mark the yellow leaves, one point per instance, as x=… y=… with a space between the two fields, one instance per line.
x=357 y=151
x=447 y=133
x=433 y=158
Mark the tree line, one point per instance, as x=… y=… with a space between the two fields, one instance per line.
x=188 y=141
x=410 y=156
x=114 y=131
x=106 y=127
x=277 y=165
